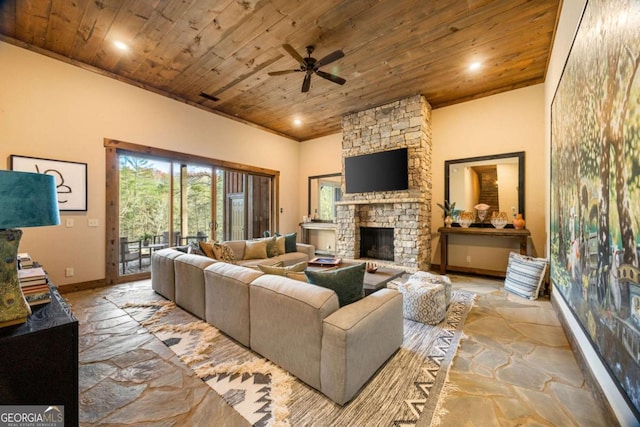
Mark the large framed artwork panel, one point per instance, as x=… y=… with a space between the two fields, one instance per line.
x=595 y=187
x=71 y=179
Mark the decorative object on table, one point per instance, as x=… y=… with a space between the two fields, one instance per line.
x=24 y=260
x=499 y=219
x=27 y=200
x=518 y=222
x=146 y=239
x=325 y=261
x=466 y=219
x=372 y=267
x=33 y=282
x=70 y=179
x=448 y=209
x=482 y=209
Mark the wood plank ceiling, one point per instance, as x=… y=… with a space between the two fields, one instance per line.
x=225 y=48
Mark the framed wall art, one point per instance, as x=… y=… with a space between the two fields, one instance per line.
x=71 y=179
x=595 y=187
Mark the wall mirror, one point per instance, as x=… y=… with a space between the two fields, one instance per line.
x=324 y=191
x=496 y=180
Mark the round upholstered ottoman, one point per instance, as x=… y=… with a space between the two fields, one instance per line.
x=423 y=302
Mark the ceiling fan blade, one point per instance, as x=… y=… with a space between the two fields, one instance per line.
x=306 y=83
x=279 y=73
x=291 y=51
x=333 y=56
x=331 y=77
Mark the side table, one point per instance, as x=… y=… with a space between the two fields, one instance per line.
x=39 y=359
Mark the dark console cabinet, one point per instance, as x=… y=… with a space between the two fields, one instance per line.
x=39 y=359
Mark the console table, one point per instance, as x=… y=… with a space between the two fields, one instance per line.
x=40 y=359
x=321 y=226
x=521 y=234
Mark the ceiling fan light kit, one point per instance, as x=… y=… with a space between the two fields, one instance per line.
x=311 y=66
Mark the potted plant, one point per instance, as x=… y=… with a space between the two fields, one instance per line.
x=448 y=209
x=146 y=239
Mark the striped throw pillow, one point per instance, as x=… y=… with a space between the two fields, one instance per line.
x=525 y=275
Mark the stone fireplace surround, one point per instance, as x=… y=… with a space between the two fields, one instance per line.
x=399 y=124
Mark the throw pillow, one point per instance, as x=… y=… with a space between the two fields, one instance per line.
x=194 y=248
x=280 y=240
x=282 y=271
x=525 y=275
x=207 y=248
x=255 y=249
x=347 y=282
x=290 y=243
x=295 y=275
x=272 y=250
x=225 y=253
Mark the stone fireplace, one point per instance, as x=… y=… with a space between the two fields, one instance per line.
x=400 y=124
x=377 y=243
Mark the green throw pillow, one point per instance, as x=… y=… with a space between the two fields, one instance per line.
x=282 y=271
x=347 y=282
x=289 y=242
x=272 y=249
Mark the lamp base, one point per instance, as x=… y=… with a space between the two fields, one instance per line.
x=13 y=307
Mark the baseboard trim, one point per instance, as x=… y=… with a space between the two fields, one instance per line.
x=592 y=382
x=82 y=286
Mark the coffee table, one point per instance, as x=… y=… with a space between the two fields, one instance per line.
x=372 y=281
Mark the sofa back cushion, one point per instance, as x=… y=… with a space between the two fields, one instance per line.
x=287 y=322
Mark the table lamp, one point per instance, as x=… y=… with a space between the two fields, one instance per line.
x=26 y=200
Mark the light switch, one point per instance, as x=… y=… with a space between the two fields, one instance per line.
x=93 y=222
x=69 y=222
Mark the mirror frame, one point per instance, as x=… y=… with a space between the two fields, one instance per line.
x=521 y=188
x=327 y=175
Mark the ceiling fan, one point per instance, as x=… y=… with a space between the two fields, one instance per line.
x=310 y=66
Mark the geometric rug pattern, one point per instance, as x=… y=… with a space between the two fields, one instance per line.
x=403 y=390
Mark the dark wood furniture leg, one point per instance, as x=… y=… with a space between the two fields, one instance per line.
x=443 y=253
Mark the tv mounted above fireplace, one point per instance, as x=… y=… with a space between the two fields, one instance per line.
x=383 y=171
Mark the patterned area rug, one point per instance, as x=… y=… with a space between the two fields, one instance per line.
x=405 y=389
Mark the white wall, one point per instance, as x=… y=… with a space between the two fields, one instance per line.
x=54 y=110
x=567 y=27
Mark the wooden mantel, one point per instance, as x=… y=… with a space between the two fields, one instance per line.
x=521 y=234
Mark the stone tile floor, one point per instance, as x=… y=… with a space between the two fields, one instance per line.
x=514 y=368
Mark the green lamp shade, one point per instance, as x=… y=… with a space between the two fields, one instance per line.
x=27 y=200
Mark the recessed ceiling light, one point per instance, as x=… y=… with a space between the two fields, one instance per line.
x=120 y=45
x=297 y=122
x=474 y=66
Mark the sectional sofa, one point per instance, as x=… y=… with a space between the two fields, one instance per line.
x=296 y=325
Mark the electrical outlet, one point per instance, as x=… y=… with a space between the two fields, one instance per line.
x=68 y=272
x=69 y=222
x=468 y=258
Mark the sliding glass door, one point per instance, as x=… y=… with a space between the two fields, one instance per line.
x=164 y=202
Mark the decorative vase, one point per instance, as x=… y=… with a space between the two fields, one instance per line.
x=518 y=222
x=448 y=220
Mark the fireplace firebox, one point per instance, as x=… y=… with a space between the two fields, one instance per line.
x=376 y=243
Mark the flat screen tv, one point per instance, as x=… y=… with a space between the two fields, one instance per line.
x=383 y=171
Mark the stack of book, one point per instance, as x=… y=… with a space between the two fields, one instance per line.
x=33 y=282
x=24 y=260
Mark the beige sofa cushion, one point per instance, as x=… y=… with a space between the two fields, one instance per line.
x=227 y=298
x=286 y=323
x=190 y=277
x=357 y=340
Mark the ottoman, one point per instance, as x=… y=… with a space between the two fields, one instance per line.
x=426 y=277
x=422 y=302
